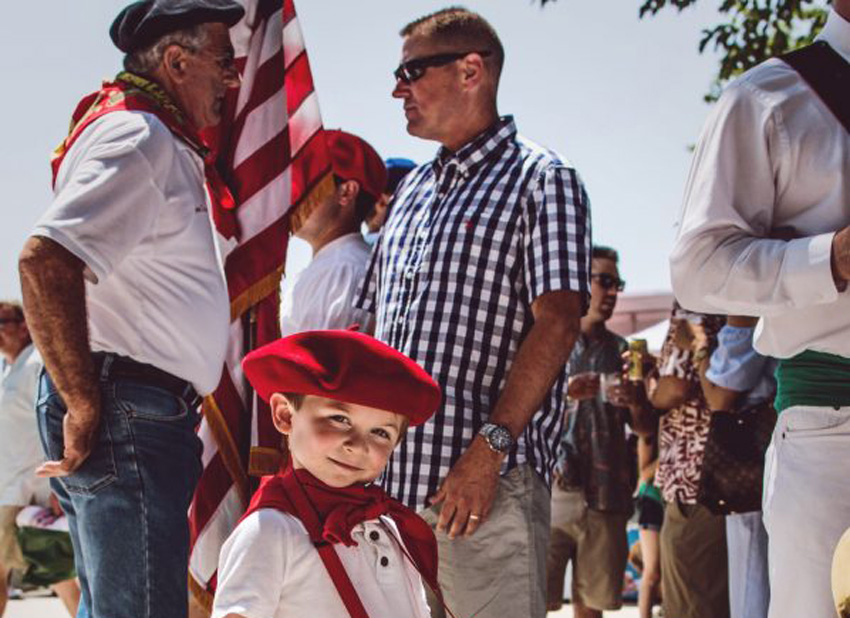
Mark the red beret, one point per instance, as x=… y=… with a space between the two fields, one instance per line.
x=347 y=366
x=354 y=159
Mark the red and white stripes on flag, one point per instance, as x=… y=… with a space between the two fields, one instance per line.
x=272 y=153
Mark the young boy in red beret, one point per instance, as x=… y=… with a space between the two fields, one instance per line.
x=319 y=539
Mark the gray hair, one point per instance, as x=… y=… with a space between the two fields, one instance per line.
x=16 y=307
x=146 y=60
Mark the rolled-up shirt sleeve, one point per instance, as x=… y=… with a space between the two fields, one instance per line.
x=724 y=259
x=558 y=236
x=735 y=364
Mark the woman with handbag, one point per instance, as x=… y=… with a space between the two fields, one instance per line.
x=693 y=539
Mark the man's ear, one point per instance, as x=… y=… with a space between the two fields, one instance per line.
x=282 y=411
x=174 y=63
x=472 y=70
x=347 y=193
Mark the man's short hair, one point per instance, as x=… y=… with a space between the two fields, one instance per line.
x=16 y=307
x=146 y=60
x=455 y=25
x=605 y=253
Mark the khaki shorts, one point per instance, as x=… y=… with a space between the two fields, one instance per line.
x=694 y=567
x=596 y=543
x=10 y=551
x=500 y=570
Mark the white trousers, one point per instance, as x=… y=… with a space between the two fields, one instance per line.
x=806 y=507
x=749 y=589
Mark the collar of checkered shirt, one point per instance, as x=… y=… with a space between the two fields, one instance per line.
x=469 y=158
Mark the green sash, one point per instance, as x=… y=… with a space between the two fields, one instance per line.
x=813 y=379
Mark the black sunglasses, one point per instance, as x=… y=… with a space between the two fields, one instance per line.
x=410 y=71
x=609 y=281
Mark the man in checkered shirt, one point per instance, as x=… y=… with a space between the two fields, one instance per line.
x=481 y=275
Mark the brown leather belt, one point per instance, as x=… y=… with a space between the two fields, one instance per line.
x=112 y=366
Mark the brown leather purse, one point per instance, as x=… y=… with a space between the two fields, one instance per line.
x=733 y=467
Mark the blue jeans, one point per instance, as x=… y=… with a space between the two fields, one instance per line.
x=127 y=504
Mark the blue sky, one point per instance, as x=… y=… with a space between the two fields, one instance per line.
x=620 y=97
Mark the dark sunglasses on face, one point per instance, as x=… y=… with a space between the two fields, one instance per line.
x=609 y=281
x=408 y=72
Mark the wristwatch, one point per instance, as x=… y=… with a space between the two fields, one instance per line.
x=498 y=437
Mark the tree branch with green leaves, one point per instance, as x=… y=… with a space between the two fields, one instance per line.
x=750 y=32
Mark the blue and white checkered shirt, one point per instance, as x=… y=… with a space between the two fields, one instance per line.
x=474 y=237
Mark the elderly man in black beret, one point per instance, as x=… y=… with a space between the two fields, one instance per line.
x=126 y=300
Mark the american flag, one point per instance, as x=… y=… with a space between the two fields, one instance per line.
x=273 y=154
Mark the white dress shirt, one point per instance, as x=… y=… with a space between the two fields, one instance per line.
x=772 y=157
x=322 y=295
x=269 y=568
x=20 y=447
x=130 y=203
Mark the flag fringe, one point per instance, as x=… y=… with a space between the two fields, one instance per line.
x=320 y=191
x=256 y=293
x=264 y=461
x=202 y=597
x=226 y=447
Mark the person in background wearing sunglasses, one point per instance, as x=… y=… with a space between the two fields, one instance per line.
x=592 y=494
x=481 y=275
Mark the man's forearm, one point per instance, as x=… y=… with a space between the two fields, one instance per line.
x=55 y=308
x=717 y=397
x=540 y=359
x=644 y=418
x=726 y=271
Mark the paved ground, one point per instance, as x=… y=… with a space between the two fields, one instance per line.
x=52 y=608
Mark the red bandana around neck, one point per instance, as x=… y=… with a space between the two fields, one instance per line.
x=131 y=92
x=330 y=514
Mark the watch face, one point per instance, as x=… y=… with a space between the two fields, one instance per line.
x=500 y=438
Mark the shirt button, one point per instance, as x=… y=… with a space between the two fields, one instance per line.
x=374 y=535
x=385 y=561
x=408 y=275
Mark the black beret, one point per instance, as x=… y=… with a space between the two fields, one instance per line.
x=142 y=23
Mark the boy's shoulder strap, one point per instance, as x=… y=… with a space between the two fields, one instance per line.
x=341 y=580
x=827 y=73
x=284 y=493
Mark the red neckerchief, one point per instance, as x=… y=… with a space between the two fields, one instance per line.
x=130 y=92
x=329 y=514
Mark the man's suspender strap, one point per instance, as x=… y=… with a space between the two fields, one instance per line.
x=827 y=73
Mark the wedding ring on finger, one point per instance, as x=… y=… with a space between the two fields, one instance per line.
x=474 y=517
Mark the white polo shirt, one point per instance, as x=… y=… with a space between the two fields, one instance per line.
x=268 y=568
x=20 y=447
x=130 y=203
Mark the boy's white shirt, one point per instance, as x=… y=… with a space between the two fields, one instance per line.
x=268 y=568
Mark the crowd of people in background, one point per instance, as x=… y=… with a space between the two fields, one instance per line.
x=473 y=279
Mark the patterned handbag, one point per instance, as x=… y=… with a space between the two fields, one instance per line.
x=733 y=467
